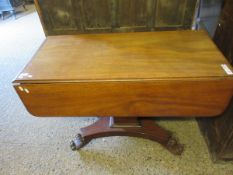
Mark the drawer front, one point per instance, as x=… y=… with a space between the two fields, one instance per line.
x=125 y=98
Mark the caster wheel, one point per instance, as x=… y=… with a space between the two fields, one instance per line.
x=77 y=143
x=172 y=142
x=174 y=147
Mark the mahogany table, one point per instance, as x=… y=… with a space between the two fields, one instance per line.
x=131 y=77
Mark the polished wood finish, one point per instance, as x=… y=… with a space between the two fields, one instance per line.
x=141 y=98
x=218 y=131
x=126 y=57
x=98 y=16
x=148 y=130
x=129 y=74
x=147 y=74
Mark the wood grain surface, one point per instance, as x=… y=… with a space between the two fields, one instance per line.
x=141 y=98
x=126 y=56
x=175 y=73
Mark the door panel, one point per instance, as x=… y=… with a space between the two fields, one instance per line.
x=57 y=15
x=132 y=13
x=170 y=13
x=97 y=15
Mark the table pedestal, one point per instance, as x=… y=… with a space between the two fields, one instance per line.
x=135 y=127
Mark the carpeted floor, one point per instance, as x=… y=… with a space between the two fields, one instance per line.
x=30 y=145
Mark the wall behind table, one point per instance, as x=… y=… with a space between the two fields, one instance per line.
x=96 y=16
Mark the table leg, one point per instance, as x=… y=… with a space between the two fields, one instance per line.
x=135 y=127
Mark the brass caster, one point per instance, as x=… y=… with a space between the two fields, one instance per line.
x=77 y=143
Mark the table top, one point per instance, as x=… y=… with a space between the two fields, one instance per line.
x=126 y=57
